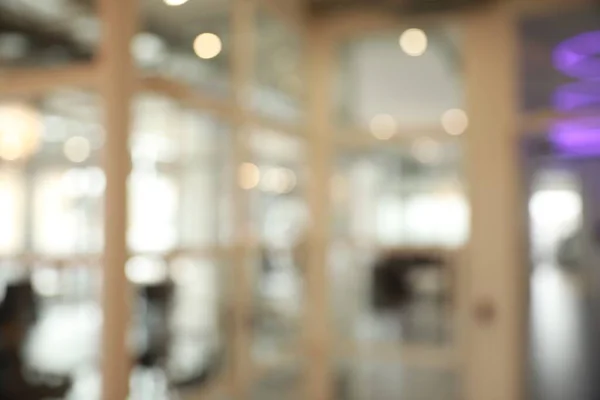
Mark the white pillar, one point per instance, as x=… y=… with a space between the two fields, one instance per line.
x=496 y=268
x=117 y=87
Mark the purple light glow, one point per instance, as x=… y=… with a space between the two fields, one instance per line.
x=577 y=96
x=577 y=137
x=589 y=124
x=578 y=57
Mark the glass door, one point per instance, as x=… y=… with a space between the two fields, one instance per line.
x=400 y=216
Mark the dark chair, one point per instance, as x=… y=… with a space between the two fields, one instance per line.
x=394 y=290
x=18 y=313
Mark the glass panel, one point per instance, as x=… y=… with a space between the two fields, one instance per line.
x=196 y=330
x=53 y=187
x=278 y=90
x=549 y=78
x=350 y=276
x=67 y=214
x=279 y=218
x=68 y=297
x=562 y=207
x=177 y=180
x=50 y=155
x=179 y=343
x=279 y=210
x=12 y=211
x=283 y=382
x=404 y=197
x=384 y=380
x=46 y=360
x=205 y=181
x=47 y=33
x=399 y=214
x=153 y=212
x=50 y=150
x=186 y=41
x=399 y=209
x=559 y=72
x=176 y=187
x=378 y=77
x=367 y=311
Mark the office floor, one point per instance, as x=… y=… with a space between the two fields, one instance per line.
x=564 y=353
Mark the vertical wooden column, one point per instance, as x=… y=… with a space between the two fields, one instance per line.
x=496 y=253
x=243 y=59
x=320 y=59
x=117 y=85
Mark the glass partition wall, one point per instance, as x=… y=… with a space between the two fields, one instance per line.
x=205 y=192
x=398 y=191
x=203 y=156
x=178 y=222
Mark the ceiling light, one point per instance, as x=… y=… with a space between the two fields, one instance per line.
x=175 y=3
x=383 y=126
x=413 y=42
x=248 y=176
x=427 y=151
x=77 y=149
x=207 y=45
x=455 y=122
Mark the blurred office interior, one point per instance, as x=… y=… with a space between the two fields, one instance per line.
x=299 y=199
